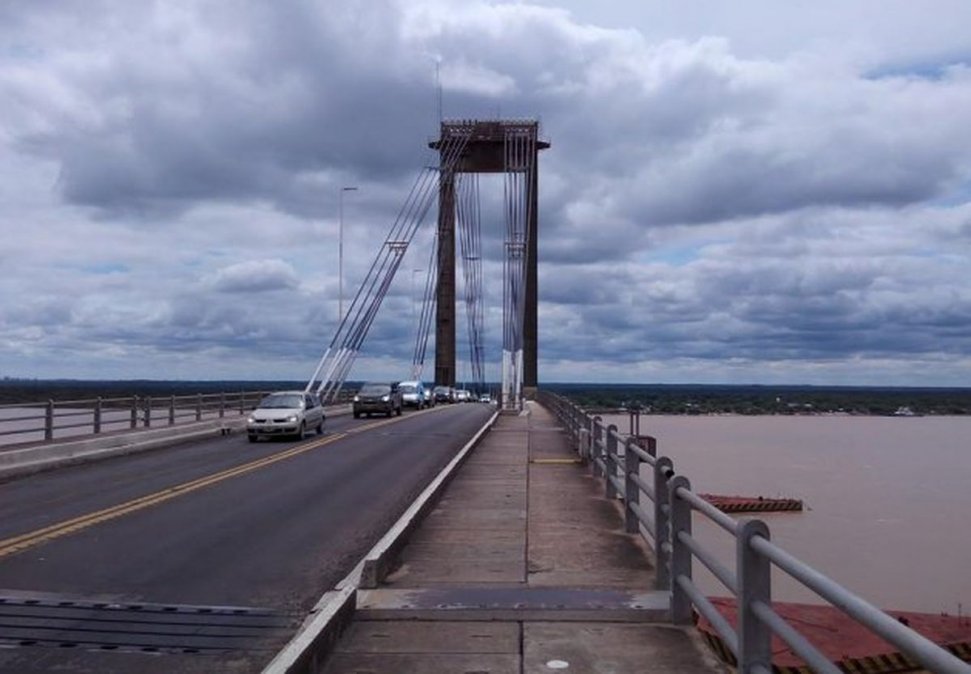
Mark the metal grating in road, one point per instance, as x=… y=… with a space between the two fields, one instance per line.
x=67 y=622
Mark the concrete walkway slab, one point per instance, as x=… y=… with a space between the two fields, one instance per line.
x=524 y=542
x=610 y=648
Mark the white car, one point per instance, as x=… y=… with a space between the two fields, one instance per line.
x=286 y=413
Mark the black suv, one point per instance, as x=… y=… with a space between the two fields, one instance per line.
x=377 y=397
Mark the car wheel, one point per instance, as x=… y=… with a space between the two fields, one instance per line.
x=389 y=413
x=301 y=431
x=398 y=412
x=357 y=415
x=320 y=427
x=252 y=438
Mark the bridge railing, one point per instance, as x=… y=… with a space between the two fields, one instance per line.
x=667 y=527
x=59 y=419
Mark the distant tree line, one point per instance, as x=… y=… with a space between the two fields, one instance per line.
x=649 y=398
x=781 y=400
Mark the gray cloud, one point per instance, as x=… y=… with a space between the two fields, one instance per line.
x=255 y=276
x=708 y=211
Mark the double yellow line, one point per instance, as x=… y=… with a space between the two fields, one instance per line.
x=30 y=539
x=19 y=543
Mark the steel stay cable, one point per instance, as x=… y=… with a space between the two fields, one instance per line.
x=419 y=193
x=372 y=291
x=393 y=256
x=428 y=302
x=392 y=262
x=470 y=260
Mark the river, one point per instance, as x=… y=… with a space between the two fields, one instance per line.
x=888 y=498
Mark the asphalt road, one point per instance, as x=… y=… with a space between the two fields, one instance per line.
x=219 y=523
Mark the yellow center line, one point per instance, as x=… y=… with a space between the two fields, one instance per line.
x=19 y=543
x=385 y=422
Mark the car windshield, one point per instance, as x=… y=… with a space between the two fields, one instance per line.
x=441 y=389
x=375 y=389
x=281 y=401
x=407 y=388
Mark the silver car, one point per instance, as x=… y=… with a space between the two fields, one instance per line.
x=286 y=413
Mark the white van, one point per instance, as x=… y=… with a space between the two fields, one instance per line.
x=412 y=394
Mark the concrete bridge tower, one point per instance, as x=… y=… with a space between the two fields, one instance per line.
x=486 y=150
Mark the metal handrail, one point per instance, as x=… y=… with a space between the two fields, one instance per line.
x=51 y=418
x=669 y=530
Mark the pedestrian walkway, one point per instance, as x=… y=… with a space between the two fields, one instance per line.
x=522 y=567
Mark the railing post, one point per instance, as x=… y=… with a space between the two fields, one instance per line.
x=632 y=493
x=596 y=445
x=148 y=411
x=134 y=412
x=242 y=403
x=650 y=445
x=583 y=444
x=97 y=415
x=49 y=421
x=681 y=613
x=754 y=585
x=663 y=511
x=222 y=405
x=198 y=407
x=610 y=462
x=172 y=410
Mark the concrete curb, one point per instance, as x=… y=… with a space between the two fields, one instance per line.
x=309 y=648
x=38 y=458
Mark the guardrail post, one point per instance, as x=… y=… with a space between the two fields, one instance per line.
x=49 y=421
x=198 y=407
x=242 y=403
x=148 y=412
x=134 y=412
x=97 y=415
x=632 y=493
x=754 y=585
x=171 y=410
x=681 y=613
x=596 y=444
x=222 y=405
x=663 y=511
x=650 y=445
x=610 y=462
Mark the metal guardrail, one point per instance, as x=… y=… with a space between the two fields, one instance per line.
x=57 y=419
x=667 y=528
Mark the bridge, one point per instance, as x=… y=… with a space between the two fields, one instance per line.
x=150 y=536
x=451 y=539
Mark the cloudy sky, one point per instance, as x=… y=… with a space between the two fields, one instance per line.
x=737 y=192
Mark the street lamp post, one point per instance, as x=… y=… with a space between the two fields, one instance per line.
x=340 y=253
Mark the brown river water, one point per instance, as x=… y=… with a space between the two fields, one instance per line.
x=888 y=498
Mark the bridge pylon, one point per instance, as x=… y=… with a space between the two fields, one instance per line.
x=510 y=147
